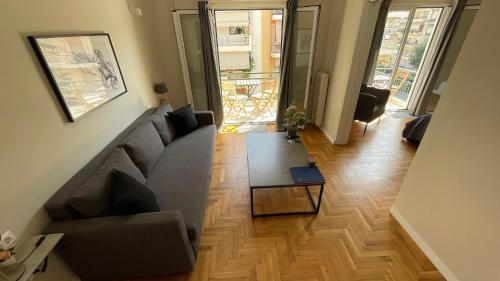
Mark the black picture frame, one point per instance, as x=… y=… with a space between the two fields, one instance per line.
x=98 y=63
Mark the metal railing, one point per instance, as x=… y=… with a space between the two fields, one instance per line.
x=276 y=48
x=249 y=97
x=402 y=85
x=233 y=40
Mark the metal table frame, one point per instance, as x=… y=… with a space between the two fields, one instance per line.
x=313 y=204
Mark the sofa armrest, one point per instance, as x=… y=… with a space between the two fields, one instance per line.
x=125 y=246
x=204 y=118
x=364 y=108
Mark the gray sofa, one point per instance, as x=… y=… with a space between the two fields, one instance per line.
x=103 y=246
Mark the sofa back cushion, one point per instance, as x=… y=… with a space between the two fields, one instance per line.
x=91 y=199
x=144 y=146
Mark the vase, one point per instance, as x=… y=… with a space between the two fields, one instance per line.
x=292 y=132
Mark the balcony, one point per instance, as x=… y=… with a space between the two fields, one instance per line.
x=233 y=40
x=249 y=97
x=401 y=86
x=275 y=51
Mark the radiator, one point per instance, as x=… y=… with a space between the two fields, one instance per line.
x=321 y=86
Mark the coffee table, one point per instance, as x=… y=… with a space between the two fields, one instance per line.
x=270 y=157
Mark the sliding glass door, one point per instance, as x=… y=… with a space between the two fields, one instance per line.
x=187 y=27
x=407 y=38
x=303 y=50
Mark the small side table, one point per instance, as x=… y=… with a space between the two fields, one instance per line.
x=36 y=255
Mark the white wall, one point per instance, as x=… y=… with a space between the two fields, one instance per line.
x=449 y=201
x=156 y=34
x=341 y=63
x=39 y=149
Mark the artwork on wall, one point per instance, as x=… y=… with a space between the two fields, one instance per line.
x=82 y=69
x=304 y=39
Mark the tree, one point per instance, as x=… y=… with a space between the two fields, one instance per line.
x=418 y=54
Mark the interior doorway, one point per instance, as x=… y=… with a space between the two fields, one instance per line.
x=249 y=43
x=249 y=49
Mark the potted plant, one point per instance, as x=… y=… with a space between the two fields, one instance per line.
x=294 y=119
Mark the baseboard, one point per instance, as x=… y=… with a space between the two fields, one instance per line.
x=327 y=135
x=438 y=263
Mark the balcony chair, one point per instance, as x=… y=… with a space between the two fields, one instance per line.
x=371 y=104
x=267 y=100
x=232 y=101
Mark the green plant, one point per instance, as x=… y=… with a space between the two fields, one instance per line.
x=294 y=117
x=418 y=54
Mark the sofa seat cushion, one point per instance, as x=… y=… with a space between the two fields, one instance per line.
x=92 y=197
x=144 y=146
x=181 y=180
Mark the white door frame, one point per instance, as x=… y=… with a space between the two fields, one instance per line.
x=312 y=52
x=431 y=52
x=182 y=51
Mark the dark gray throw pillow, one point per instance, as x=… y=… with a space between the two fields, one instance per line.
x=92 y=197
x=130 y=197
x=164 y=127
x=144 y=146
x=184 y=120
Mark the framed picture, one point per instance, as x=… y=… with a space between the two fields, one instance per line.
x=304 y=39
x=82 y=69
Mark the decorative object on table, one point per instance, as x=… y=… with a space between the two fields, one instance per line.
x=294 y=119
x=161 y=89
x=306 y=175
x=82 y=69
x=29 y=258
x=7 y=240
x=10 y=268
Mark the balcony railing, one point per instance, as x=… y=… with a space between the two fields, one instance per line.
x=402 y=85
x=276 y=49
x=249 y=97
x=233 y=40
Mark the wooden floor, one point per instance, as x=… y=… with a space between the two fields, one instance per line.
x=352 y=238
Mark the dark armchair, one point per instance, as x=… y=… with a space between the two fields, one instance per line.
x=371 y=104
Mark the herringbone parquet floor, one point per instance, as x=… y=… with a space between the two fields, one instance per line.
x=352 y=238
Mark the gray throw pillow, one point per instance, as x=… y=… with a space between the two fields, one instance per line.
x=144 y=146
x=163 y=109
x=164 y=127
x=92 y=197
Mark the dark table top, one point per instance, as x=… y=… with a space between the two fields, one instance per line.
x=270 y=157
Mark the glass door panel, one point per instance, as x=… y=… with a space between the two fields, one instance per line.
x=187 y=26
x=394 y=33
x=415 y=48
x=303 y=51
x=194 y=56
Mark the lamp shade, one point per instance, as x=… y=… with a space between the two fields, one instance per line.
x=160 y=88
